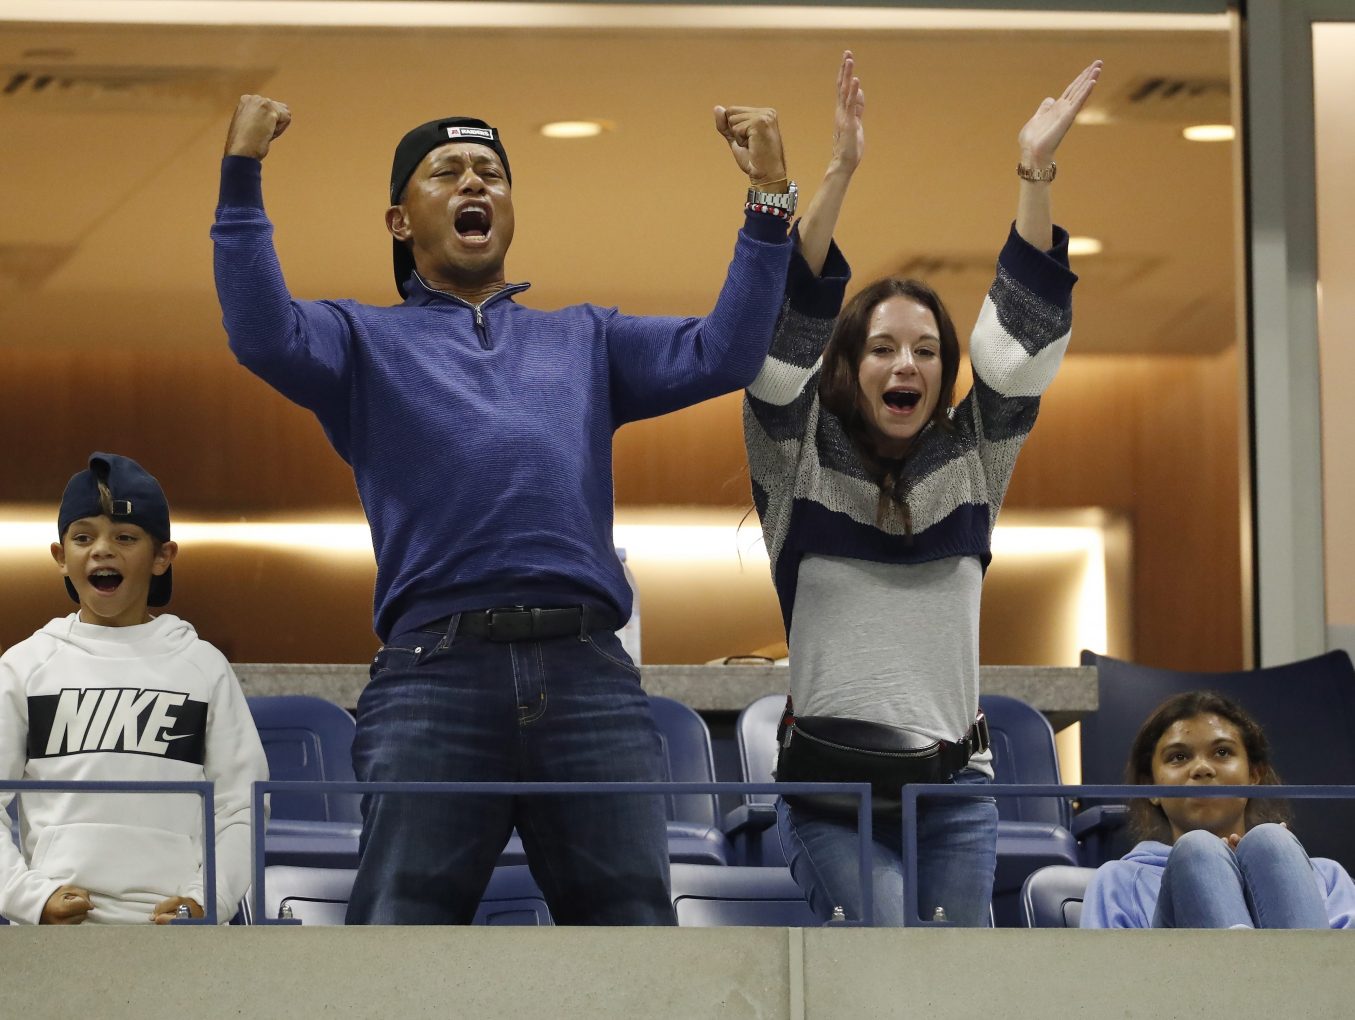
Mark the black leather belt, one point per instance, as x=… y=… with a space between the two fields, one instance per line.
x=531 y=623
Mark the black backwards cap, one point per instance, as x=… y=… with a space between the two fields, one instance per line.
x=410 y=152
x=137 y=499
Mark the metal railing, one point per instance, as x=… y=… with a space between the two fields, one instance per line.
x=910 y=796
x=201 y=787
x=860 y=790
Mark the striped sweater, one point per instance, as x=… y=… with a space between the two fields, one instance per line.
x=812 y=491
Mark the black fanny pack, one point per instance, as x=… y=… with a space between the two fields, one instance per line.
x=829 y=749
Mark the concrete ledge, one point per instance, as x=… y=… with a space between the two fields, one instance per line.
x=1064 y=693
x=400 y=973
x=564 y=973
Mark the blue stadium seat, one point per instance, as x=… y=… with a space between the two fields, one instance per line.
x=751 y=825
x=1032 y=832
x=1052 y=897
x=305 y=739
x=704 y=896
x=513 y=898
x=309 y=739
x=714 y=897
x=315 y=896
x=319 y=896
x=694 y=832
x=1307 y=709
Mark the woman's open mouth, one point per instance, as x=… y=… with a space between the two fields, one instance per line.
x=902 y=401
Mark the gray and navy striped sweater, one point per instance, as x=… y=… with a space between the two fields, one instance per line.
x=882 y=625
x=812 y=491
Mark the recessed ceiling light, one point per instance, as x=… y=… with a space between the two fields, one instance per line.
x=1084 y=246
x=576 y=128
x=1209 y=133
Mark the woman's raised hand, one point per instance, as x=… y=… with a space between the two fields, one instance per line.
x=849 y=136
x=1045 y=130
x=1038 y=140
x=849 y=143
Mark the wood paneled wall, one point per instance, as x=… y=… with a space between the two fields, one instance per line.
x=1153 y=437
x=222 y=442
x=1156 y=438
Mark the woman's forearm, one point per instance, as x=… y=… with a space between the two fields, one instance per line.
x=820 y=219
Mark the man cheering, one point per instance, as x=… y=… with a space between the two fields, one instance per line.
x=480 y=435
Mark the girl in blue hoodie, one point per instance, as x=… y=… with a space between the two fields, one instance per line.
x=1212 y=862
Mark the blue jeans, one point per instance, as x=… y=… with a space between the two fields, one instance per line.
x=447 y=708
x=1267 y=882
x=957 y=858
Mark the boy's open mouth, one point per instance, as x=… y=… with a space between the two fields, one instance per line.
x=105 y=579
x=902 y=400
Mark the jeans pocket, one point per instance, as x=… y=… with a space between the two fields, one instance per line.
x=620 y=660
x=393 y=657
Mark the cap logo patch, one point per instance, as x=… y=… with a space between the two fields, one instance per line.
x=470 y=132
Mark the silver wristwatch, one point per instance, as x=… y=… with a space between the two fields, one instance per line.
x=786 y=202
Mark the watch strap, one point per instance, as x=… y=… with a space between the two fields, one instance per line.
x=777 y=203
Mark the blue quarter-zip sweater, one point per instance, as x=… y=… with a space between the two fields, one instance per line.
x=481 y=438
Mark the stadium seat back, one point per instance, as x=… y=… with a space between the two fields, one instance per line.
x=1052 y=897
x=307 y=739
x=708 y=897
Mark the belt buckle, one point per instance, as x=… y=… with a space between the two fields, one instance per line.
x=507 y=616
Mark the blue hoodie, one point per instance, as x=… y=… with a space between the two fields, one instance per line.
x=1123 y=893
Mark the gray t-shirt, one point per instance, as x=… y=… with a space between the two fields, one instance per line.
x=890 y=643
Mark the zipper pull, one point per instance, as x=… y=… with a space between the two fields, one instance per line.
x=481 y=328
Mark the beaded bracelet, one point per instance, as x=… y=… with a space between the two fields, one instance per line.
x=780 y=214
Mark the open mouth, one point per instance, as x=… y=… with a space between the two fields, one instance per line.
x=105 y=580
x=473 y=222
x=902 y=400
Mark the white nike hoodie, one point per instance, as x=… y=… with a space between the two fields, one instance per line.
x=150 y=702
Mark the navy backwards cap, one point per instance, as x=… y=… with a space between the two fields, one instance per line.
x=137 y=499
x=410 y=153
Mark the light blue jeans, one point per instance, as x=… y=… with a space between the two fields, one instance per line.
x=1267 y=882
x=957 y=857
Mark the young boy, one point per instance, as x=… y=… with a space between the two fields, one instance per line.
x=113 y=693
